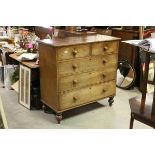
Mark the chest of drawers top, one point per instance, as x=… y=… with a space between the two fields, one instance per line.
x=68 y=41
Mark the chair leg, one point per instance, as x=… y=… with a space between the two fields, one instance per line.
x=131 y=121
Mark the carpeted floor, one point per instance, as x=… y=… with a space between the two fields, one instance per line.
x=1 y=123
x=94 y=116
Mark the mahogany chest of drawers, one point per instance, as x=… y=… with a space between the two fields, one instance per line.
x=76 y=71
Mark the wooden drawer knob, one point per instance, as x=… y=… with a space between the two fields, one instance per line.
x=75 y=66
x=104 y=61
x=75 y=81
x=74 y=52
x=103 y=75
x=103 y=90
x=105 y=48
x=75 y=98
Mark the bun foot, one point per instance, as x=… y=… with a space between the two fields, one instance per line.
x=59 y=117
x=111 y=100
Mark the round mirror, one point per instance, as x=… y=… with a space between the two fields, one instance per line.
x=125 y=75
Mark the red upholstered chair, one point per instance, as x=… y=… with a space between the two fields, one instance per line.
x=143 y=107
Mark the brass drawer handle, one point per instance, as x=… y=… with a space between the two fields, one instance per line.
x=75 y=66
x=105 y=48
x=75 y=98
x=75 y=81
x=104 y=61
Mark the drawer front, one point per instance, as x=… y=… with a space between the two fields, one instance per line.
x=87 y=64
x=104 y=62
x=73 y=66
x=79 y=97
x=105 y=48
x=85 y=79
x=71 y=52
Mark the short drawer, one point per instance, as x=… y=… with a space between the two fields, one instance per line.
x=104 y=62
x=104 y=48
x=86 y=79
x=87 y=64
x=71 y=52
x=79 y=97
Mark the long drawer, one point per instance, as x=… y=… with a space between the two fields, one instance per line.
x=105 y=48
x=85 y=79
x=87 y=64
x=71 y=52
x=78 y=97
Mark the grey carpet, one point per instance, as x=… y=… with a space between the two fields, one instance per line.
x=93 y=116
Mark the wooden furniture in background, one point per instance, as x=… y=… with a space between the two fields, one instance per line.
x=143 y=107
x=141 y=32
x=29 y=83
x=104 y=31
x=70 y=28
x=127 y=51
x=76 y=71
x=74 y=33
x=65 y=33
x=30 y=64
x=42 y=32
